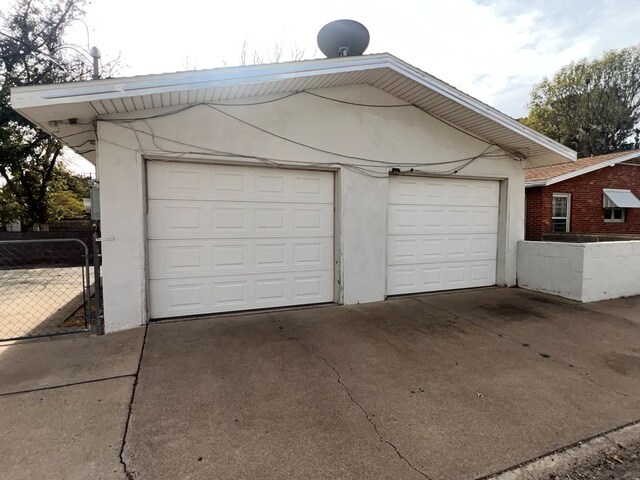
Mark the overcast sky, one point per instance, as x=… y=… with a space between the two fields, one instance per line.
x=493 y=50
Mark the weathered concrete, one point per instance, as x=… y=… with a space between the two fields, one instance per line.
x=628 y=308
x=561 y=463
x=447 y=386
x=444 y=386
x=70 y=359
x=66 y=433
x=64 y=405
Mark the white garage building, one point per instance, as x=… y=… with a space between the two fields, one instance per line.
x=337 y=180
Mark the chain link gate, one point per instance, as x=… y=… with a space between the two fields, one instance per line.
x=45 y=288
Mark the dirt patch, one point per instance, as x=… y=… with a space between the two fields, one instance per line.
x=77 y=319
x=511 y=312
x=622 y=363
x=545 y=300
x=623 y=464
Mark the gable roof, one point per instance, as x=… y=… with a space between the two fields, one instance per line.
x=548 y=175
x=68 y=110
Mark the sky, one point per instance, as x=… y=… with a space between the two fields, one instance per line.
x=494 y=50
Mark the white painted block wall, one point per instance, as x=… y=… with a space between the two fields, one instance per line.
x=611 y=270
x=586 y=272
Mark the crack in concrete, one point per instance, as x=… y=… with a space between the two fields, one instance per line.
x=65 y=385
x=359 y=405
x=511 y=339
x=130 y=474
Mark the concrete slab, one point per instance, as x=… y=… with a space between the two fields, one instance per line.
x=408 y=388
x=598 y=343
x=61 y=360
x=237 y=399
x=65 y=433
x=628 y=308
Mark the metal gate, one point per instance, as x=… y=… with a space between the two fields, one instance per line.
x=45 y=288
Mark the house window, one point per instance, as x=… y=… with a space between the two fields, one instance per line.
x=615 y=203
x=614 y=215
x=561 y=212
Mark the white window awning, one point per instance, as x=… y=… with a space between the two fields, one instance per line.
x=619 y=198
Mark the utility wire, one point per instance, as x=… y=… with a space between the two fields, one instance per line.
x=365 y=169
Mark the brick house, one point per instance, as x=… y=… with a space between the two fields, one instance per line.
x=593 y=195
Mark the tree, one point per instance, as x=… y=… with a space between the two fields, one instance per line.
x=33 y=52
x=65 y=193
x=591 y=106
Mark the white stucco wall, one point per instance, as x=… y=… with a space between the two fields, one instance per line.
x=586 y=272
x=203 y=134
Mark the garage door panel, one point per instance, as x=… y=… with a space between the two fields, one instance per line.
x=427 y=220
x=441 y=248
x=440 y=276
x=178 y=297
x=177 y=258
x=437 y=191
x=203 y=219
x=442 y=234
x=190 y=181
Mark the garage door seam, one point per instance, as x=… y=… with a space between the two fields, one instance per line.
x=359 y=405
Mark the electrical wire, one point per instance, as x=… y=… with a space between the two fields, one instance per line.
x=365 y=169
x=307 y=92
x=346 y=102
x=74 y=134
x=383 y=163
x=33 y=49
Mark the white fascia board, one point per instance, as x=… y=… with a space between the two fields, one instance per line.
x=582 y=171
x=42 y=95
x=46 y=95
x=481 y=108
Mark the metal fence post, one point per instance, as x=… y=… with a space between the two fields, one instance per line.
x=97 y=259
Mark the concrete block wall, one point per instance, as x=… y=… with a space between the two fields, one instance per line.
x=611 y=270
x=552 y=267
x=586 y=272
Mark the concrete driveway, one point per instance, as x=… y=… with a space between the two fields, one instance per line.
x=446 y=386
x=36 y=301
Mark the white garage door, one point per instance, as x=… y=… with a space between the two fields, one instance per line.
x=442 y=234
x=224 y=238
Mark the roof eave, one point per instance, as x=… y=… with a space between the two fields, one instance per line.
x=582 y=171
x=84 y=92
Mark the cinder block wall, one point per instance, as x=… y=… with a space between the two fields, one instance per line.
x=587 y=214
x=586 y=272
x=552 y=267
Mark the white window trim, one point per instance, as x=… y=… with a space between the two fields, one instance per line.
x=615 y=220
x=568 y=217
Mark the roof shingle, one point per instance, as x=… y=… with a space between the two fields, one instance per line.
x=552 y=171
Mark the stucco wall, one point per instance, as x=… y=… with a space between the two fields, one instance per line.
x=586 y=272
x=403 y=134
x=587 y=214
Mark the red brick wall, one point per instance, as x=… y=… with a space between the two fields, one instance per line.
x=586 y=202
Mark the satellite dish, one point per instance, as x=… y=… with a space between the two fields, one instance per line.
x=343 y=38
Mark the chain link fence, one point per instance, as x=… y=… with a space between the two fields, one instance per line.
x=45 y=288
